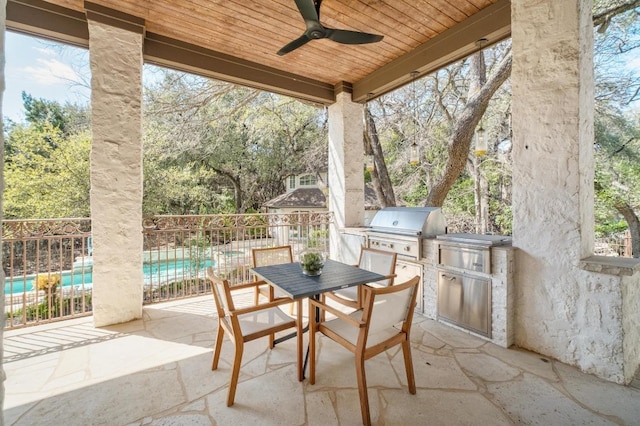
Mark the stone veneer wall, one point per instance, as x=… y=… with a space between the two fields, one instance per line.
x=3 y=21
x=631 y=326
x=346 y=157
x=578 y=317
x=116 y=173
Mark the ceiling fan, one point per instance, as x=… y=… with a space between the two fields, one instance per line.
x=310 y=11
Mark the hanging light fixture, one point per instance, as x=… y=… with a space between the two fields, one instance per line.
x=414 y=154
x=481 y=141
x=368 y=162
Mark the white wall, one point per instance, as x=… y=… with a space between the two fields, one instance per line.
x=116 y=173
x=563 y=311
x=3 y=20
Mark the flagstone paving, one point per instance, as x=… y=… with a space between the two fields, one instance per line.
x=157 y=371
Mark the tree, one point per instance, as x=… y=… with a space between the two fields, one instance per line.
x=440 y=113
x=617 y=128
x=68 y=118
x=241 y=143
x=46 y=180
x=453 y=100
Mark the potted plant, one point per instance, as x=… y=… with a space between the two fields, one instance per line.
x=312 y=262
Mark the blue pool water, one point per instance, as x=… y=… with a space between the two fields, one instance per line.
x=83 y=277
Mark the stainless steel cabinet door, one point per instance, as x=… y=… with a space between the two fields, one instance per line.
x=465 y=301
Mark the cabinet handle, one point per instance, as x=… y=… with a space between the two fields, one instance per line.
x=447 y=277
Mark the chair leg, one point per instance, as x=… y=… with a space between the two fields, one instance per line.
x=408 y=365
x=272 y=337
x=312 y=344
x=362 y=388
x=218 y=347
x=256 y=296
x=323 y=299
x=299 y=336
x=235 y=372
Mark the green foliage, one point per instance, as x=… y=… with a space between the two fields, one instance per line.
x=311 y=262
x=228 y=149
x=609 y=226
x=460 y=200
x=54 y=307
x=42 y=112
x=46 y=173
x=318 y=238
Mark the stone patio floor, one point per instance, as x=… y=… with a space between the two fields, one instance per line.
x=157 y=371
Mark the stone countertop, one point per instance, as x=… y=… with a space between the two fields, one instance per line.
x=611 y=265
x=360 y=230
x=476 y=239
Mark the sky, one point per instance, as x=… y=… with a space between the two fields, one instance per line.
x=44 y=70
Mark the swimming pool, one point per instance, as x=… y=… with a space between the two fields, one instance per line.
x=82 y=276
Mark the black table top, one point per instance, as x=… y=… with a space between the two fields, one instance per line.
x=335 y=275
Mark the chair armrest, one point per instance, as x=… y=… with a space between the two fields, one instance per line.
x=337 y=313
x=247 y=285
x=276 y=302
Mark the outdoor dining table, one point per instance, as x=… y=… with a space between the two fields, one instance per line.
x=289 y=278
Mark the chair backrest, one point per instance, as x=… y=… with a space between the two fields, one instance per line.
x=271 y=256
x=384 y=307
x=381 y=262
x=221 y=293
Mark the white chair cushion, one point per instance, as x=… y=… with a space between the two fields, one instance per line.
x=349 y=293
x=350 y=333
x=254 y=322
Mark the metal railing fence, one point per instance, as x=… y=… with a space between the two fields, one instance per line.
x=48 y=263
x=43 y=280
x=178 y=249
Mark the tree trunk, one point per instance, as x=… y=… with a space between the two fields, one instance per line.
x=237 y=189
x=634 y=226
x=460 y=140
x=380 y=175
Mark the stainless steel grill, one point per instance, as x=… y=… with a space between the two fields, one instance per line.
x=415 y=221
x=402 y=229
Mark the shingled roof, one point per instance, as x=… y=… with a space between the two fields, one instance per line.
x=314 y=198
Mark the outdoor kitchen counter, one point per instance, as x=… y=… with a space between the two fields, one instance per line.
x=483 y=266
x=352 y=239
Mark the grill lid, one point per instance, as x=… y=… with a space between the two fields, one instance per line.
x=421 y=221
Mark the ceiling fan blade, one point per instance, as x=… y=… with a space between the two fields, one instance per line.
x=351 y=37
x=300 y=41
x=308 y=10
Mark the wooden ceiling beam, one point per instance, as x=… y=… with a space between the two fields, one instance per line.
x=42 y=19
x=168 y=52
x=491 y=24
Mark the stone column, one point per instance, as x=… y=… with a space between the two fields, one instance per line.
x=3 y=25
x=563 y=311
x=116 y=172
x=346 y=160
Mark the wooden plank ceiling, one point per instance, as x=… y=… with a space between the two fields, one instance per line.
x=420 y=35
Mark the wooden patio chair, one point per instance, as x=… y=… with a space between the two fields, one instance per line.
x=381 y=262
x=383 y=322
x=246 y=324
x=265 y=256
